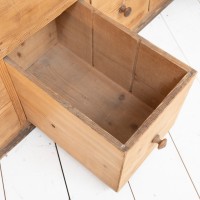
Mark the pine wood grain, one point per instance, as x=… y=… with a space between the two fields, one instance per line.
x=9 y=124
x=76 y=176
x=158 y=123
x=74 y=28
x=76 y=105
x=30 y=50
x=4 y=98
x=154 y=4
x=111 y=9
x=114 y=49
x=94 y=151
x=72 y=79
x=157 y=71
x=20 y=19
x=12 y=93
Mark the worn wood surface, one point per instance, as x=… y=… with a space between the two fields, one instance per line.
x=111 y=9
x=21 y=19
x=155 y=73
x=30 y=50
x=114 y=50
x=77 y=82
x=158 y=123
x=12 y=93
x=165 y=164
x=51 y=117
x=61 y=80
x=77 y=176
x=153 y=4
x=21 y=134
x=142 y=11
x=151 y=15
x=74 y=28
x=9 y=124
x=4 y=97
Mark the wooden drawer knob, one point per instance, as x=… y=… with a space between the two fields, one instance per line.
x=161 y=143
x=126 y=10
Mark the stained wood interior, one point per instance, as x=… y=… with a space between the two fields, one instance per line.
x=78 y=57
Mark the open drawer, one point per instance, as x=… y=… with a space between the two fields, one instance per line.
x=98 y=90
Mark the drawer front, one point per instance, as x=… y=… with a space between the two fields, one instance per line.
x=9 y=124
x=156 y=4
x=20 y=19
x=111 y=9
x=4 y=98
x=72 y=134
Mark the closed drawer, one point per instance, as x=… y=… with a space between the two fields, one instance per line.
x=111 y=9
x=4 y=98
x=99 y=91
x=9 y=124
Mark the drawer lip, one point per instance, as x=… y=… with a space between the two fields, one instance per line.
x=141 y=130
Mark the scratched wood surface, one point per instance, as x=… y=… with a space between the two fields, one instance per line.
x=180 y=170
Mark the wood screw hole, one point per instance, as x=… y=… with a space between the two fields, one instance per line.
x=53 y=125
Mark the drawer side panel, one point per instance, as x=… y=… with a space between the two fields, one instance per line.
x=82 y=142
x=142 y=145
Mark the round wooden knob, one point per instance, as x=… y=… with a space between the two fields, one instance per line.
x=122 y=8
x=126 y=10
x=161 y=143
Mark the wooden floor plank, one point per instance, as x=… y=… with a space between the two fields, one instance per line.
x=83 y=184
x=32 y=171
x=183 y=26
x=158 y=33
x=182 y=19
x=2 y=197
x=186 y=134
x=162 y=177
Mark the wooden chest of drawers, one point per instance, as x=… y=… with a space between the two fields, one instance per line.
x=103 y=93
x=136 y=13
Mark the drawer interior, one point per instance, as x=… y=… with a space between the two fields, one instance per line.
x=99 y=69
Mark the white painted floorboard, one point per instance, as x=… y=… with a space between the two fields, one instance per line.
x=186 y=134
x=82 y=184
x=31 y=171
x=162 y=177
x=174 y=37
x=1 y=188
x=183 y=20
